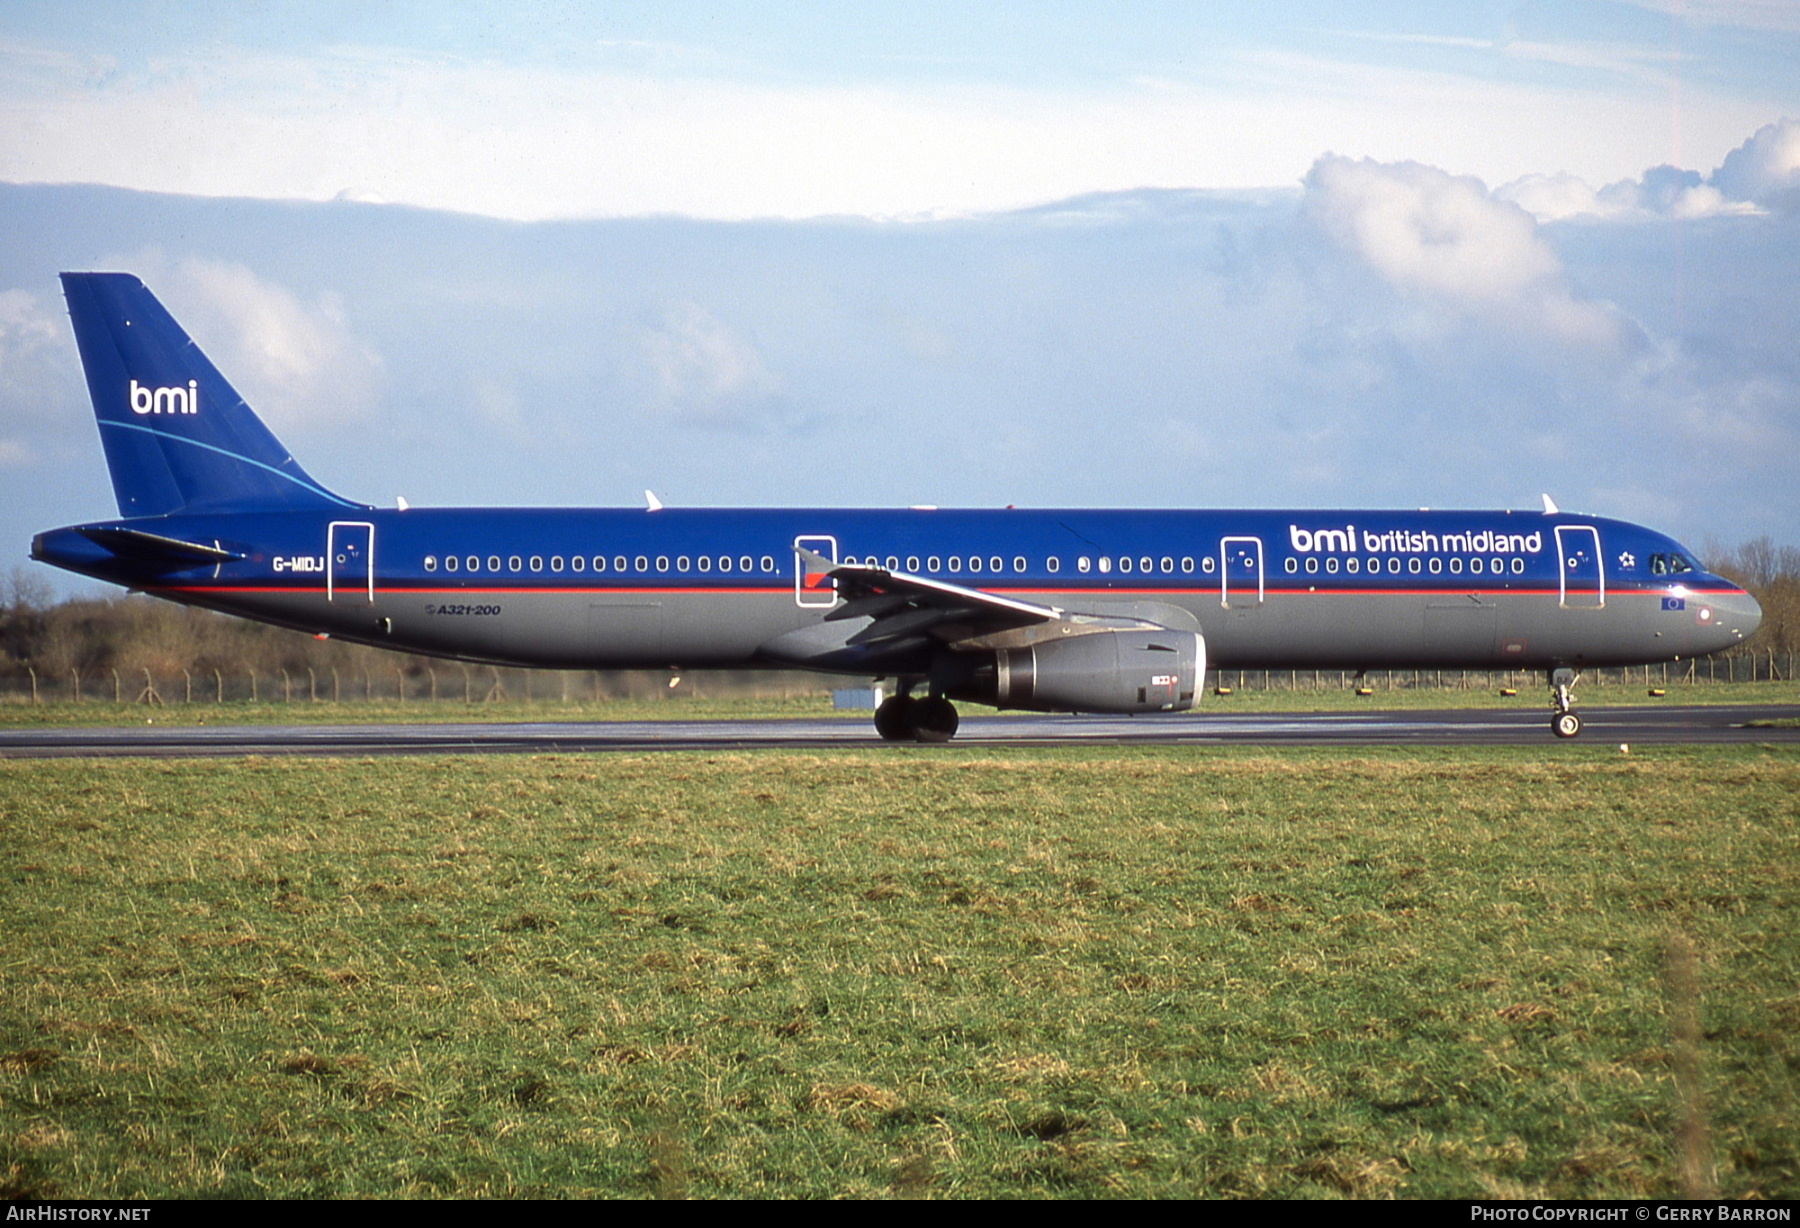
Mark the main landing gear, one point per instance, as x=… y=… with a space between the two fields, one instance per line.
x=1564 y=723
x=901 y=718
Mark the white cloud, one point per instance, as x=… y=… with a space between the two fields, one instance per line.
x=298 y=364
x=707 y=375
x=1444 y=238
x=36 y=367
x=1762 y=173
x=1550 y=198
x=28 y=327
x=1782 y=16
x=540 y=142
x=1764 y=169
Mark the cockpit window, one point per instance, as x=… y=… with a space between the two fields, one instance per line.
x=1669 y=565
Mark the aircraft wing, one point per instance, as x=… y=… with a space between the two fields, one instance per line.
x=906 y=607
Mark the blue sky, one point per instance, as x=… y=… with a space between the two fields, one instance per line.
x=1260 y=254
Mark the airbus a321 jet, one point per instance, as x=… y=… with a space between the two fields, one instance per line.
x=1055 y=611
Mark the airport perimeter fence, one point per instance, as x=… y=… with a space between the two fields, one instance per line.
x=446 y=685
x=1767 y=666
x=486 y=685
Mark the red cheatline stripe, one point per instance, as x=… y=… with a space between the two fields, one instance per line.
x=1031 y=590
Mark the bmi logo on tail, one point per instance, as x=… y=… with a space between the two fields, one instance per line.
x=177 y=400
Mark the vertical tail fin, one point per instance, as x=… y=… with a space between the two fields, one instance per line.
x=177 y=436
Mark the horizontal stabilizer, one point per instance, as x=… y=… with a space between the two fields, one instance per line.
x=153 y=548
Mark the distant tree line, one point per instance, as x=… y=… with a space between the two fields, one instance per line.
x=92 y=637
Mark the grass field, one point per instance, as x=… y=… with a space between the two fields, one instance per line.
x=912 y=971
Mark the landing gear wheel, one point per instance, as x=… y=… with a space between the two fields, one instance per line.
x=934 y=720
x=894 y=718
x=1563 y=721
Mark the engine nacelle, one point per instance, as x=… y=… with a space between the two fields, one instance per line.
x=1103 y=671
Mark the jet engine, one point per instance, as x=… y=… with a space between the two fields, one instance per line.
x=1102 y=671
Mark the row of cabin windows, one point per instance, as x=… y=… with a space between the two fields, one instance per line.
x=747 y=565
x=724 y=563
x=997 y=564
x=1435 y=565
x=955 y=564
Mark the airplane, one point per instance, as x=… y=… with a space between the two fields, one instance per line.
x=1043 y=610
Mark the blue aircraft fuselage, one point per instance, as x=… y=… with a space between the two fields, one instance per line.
x=1117 y=611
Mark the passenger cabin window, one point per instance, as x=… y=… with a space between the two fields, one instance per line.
x=1293 y=565
x=450 y=562
x=493 y=562
x=1082 y=564
x=1053 y=564
x=556 y=562
x=514 y=563
x=537 y=562
x=431 y=562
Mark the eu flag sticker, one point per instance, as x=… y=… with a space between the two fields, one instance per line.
x=1674 y=603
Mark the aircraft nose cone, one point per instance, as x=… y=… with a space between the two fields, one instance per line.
x=1736 y=616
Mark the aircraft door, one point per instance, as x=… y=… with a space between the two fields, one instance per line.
x=814 y=589
x=1583 y=579
x=350 y=561
x=1240 y=572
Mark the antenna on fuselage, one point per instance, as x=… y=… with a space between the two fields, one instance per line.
x=1550 y=508
x=654 y=504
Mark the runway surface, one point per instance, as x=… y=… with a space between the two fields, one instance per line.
x=1647 y=726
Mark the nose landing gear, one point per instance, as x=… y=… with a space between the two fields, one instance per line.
x=901 y=718
x=1564 y=723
